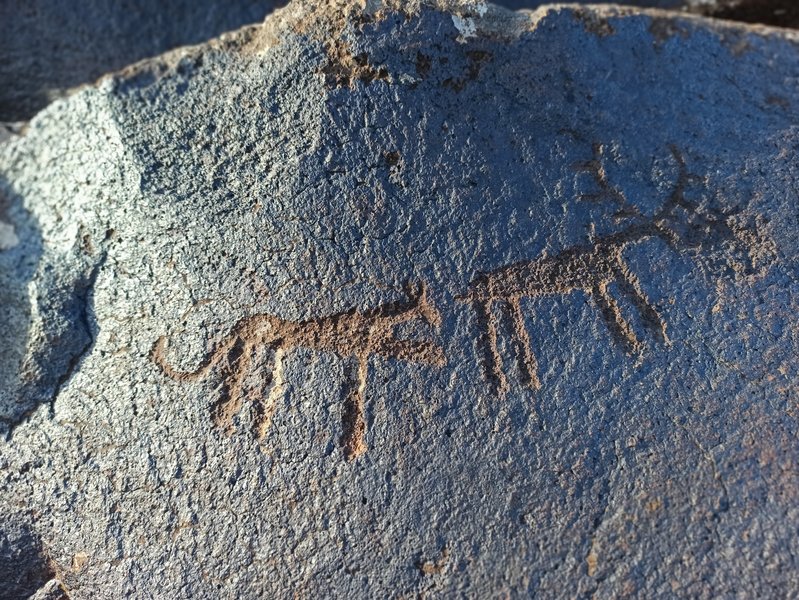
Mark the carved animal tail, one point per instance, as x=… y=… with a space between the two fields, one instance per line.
x=158 y=356
x=234 y=354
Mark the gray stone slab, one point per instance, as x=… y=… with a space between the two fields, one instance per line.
x=443 y=301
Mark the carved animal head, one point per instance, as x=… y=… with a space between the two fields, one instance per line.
x=718 y=238
x=384 y=338
x=479 y=288
x=419 y=304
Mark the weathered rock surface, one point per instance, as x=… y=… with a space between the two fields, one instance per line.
x=49 y=47
x=444 y=300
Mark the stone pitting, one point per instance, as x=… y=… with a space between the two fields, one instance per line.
x=349 y=334
x=430 y=299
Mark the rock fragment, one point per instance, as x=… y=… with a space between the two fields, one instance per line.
x=411 y=298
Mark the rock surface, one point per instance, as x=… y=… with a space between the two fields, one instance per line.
x=444 y=300
x=49 y=47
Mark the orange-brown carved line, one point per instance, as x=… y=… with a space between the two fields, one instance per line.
x=347 y=334
x=232 y=397
x=528 y=365
x=158 y=356
x=617 y=324
x=491 y=360
x=353 y=420
x=264 y=407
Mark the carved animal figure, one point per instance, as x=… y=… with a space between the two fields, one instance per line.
x=592 y=268
x=349 y=334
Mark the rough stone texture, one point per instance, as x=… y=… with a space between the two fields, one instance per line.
x=25 y=569
x=445 y=301
x=49 y=46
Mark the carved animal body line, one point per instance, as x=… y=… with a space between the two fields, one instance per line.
x=588 y=268
x=349 y=334
x=592 y=269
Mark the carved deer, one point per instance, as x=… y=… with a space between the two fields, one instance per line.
x=592 y=268
x=349 y=334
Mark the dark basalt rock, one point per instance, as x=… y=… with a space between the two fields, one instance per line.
x=412 y=299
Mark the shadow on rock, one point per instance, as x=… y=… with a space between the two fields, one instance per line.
x=20 y=253
x=48 y=46
x=533 y=4
x=780 y=13
x=24 y=565
x=46 y=308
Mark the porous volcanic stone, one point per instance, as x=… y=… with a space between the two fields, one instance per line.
x=437 y=300
x=49 y=47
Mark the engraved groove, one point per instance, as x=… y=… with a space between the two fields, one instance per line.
x=353 y=421
x=359 y=336
x=591 y=268
x=528 y=365
x=349 y=334
x=617 y=324
x=264 y=407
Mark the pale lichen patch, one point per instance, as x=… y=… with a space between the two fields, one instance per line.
x=465 y=26
x=8 y=237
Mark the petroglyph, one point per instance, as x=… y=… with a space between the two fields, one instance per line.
x=592 y=268
x=597 y=268
x=349 y=334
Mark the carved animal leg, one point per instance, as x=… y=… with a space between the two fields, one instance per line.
x=264 y=406
x=488 y=342
x=353 y=422
x=232 y=390
x=427 y=307
x=615 y=321
x=528 y=364
x=631 y=287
